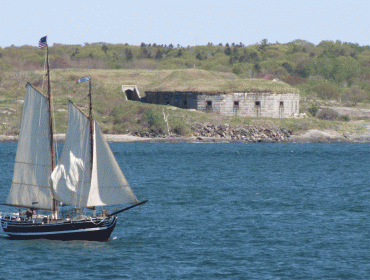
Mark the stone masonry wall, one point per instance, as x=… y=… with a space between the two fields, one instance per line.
x=177 y=99
x=270 y=105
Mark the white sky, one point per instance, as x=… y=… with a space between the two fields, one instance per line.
x=187 y=23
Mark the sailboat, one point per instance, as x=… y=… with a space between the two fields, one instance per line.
x=69 y=200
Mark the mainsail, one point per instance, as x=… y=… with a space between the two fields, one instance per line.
x=75 y=181
x=31 y=186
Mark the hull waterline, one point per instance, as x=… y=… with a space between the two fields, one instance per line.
x=90 y=229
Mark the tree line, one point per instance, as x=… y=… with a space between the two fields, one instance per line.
x=328 y=70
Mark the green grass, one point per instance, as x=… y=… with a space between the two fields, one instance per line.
x=116 y=115
x=194 y=80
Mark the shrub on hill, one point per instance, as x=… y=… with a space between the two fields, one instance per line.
x=327 y=114
x=331 y=115
x=354 y=95
x=313 y=110
x=155 y=120
x=294 y=80
x=326 y=91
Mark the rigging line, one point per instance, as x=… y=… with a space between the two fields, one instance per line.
x=98 y=223
x=43 y=76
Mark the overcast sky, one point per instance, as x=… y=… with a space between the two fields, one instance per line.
x=183 y=22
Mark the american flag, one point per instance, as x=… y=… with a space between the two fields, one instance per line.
x=43 y=43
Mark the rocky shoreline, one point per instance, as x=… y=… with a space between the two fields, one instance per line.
x=249 y=134
x=227 y=133
x=255 y=134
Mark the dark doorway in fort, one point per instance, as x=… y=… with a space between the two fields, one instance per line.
x=130 y=94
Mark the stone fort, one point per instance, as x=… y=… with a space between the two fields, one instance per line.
x=249 y=104
x=237 y=102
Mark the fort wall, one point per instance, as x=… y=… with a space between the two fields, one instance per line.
x=270 y=105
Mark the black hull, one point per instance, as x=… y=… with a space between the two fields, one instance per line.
x=90 y=229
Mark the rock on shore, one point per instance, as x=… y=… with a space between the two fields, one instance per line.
x=229 y=133
x=250 y=133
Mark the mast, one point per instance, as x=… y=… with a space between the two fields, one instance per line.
x=91 y=134
x=78 y=81
x=91 y=125
x=51 y=125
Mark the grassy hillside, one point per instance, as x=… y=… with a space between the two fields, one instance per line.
x=117 y=115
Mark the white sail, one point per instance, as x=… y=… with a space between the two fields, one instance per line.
x=31 y=186
x=72 y=176
x=108 y=184
x=73 y=182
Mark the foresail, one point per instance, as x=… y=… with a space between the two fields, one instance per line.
x=75 y=182
x=31 y=186
x=108 y=184
x=71 y=177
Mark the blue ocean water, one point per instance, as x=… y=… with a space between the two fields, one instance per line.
x=219 y=211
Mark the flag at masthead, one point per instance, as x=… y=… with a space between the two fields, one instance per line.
x=43 y=43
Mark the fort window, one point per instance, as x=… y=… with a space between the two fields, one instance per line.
x=281 y=109
x=258 y=108
x=236 y=107
x=208 y=106
x=185 y=104
x=167 y=102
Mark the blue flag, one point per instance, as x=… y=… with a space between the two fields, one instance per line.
x=83 y=80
